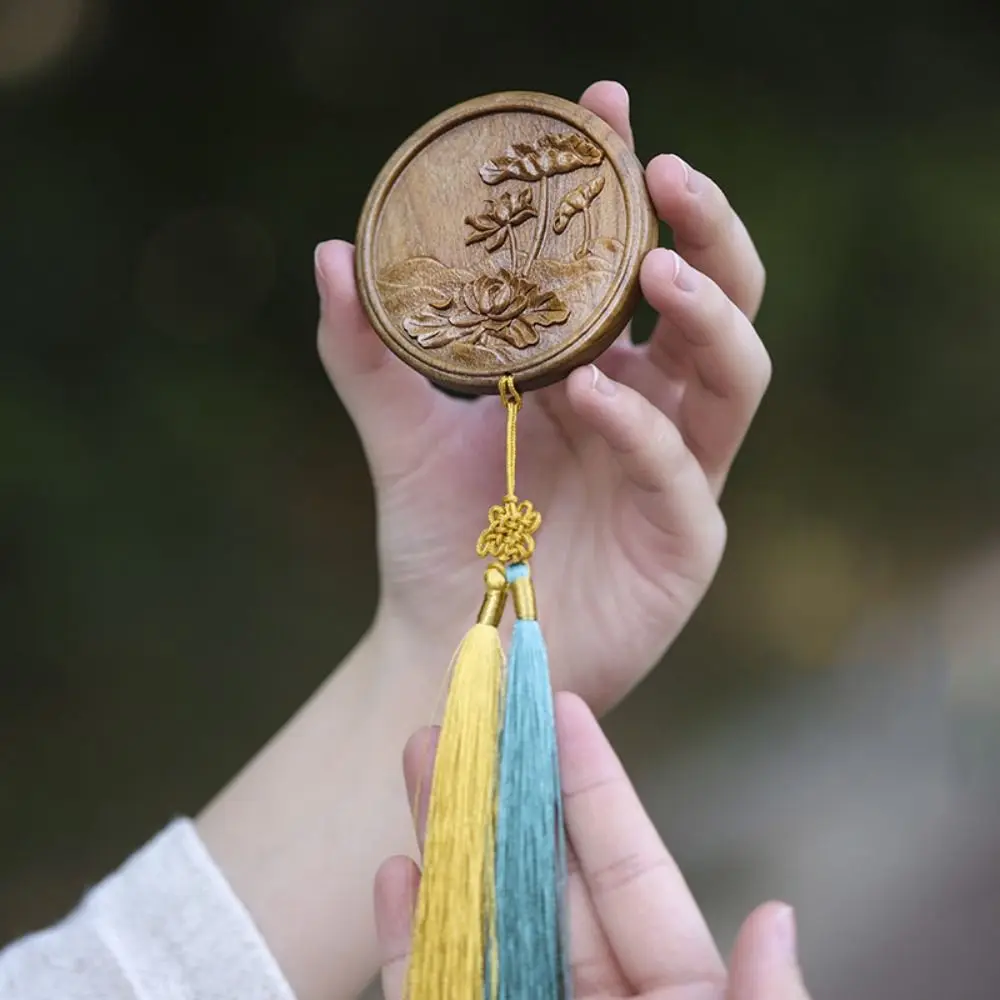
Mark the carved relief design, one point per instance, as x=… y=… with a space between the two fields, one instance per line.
x=507 y=300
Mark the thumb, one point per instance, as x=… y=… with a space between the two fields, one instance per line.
x=380 y=392
x=765 y=963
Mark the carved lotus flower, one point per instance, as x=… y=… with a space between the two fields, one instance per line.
x=499 y=217
x=504 y=306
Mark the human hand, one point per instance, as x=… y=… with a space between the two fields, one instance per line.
x=626 y=467
x=635 y=929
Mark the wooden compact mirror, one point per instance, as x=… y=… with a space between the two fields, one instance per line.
x=505 y=238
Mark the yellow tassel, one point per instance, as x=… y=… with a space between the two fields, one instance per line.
x=454 y=934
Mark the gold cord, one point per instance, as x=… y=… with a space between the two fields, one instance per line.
x=512 y=524
x=511 y=398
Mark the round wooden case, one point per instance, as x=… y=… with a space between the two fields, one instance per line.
x=505 y=238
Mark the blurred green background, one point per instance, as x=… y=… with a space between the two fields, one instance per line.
x=175 y=463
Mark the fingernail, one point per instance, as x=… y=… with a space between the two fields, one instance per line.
x=683 y=277
x=690 y=176
x=785 y=934
x=599 y=382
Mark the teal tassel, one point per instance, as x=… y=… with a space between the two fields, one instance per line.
x=531 y=844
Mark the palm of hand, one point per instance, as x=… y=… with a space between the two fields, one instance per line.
x=617 y=580
x=625 y=468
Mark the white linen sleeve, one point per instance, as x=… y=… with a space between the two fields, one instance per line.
x=164 y=926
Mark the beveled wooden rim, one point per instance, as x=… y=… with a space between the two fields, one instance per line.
x=614 y=311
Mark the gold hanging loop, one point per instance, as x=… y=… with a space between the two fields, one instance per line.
x=509 y=534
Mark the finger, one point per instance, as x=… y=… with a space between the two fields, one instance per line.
x=594 y=969
x=555 y=406
x=380 y=392
x=396 y=886
x=701 y=333
x=707 y=232
x=418 y=770
x=647 y=911
x=668 y=487
x=764 y=964
x=609 y=100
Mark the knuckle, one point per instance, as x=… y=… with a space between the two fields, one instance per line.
x=708 y=544
x=717 y=535
x=720 y=310
x=573 y=869
x=759 y=366
x=625 y=871
x=395 y=961
x=751 y=355
x=594 y=975
x=765 y=365
x=752 y=287
x=600 y=784
x=760 y=277
x=324 y=346
x=653 y=447
x=667 y=439
x=701 y=315
x=719 y=220
x=712 y=315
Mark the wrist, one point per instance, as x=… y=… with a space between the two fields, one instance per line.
x=301 y=831
x=407 y=658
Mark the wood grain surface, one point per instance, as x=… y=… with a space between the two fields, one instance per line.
x=505 y=237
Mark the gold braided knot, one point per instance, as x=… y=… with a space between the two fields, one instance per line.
x=509 y=534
